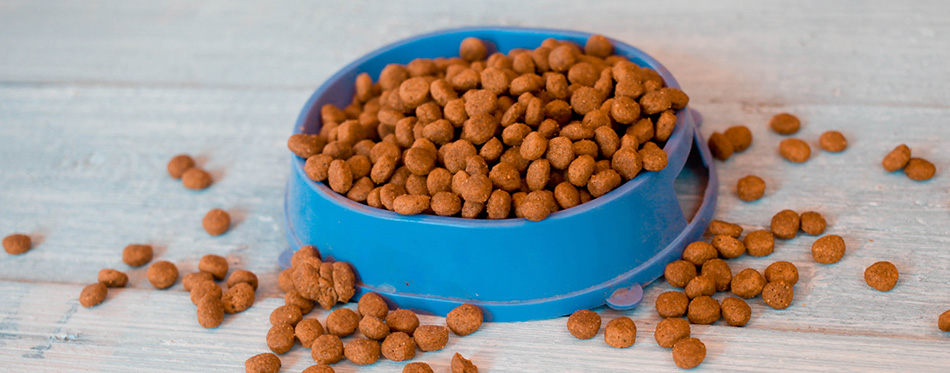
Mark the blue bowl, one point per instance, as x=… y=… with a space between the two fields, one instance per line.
x=582 y=257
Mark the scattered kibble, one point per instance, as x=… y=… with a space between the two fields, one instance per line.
x=828 y=249
x=620 y=332
x=307 y=330
x=162 y=274
x=137 y=255
x=280 y=338
x=240 y=276
x=729 y=247
x=399 y=346
x=194 y=278
x=179 y=164
x=462 y=365
x=672 y=304
x=897 y=158
x=699 y=286
x=703 y=310
x=362 y=351
x=717 y=227
x=748 y=283
x=92 y=295
x=782 y=271
x=210 y=311
x=785 y=124
x=699 y=252
x=670 y=330
x=740 y=137
x=417 y=367
x=750 y=188
x=16 y=244
x=881 y=276
x=583 y=324
x=196 y=178
x=286 y=314
x=342 y=322
x=431 y=337
x=794 y=150
x=736 y=311
x=238 y=298
x=720 y=146
x=464 y=319
x=262 y=363
x=326 y=349
x=319 y=368
x=718 y=270
x=813 y=223
x=943 y=322
x=373 y=327
x=678 y=273
x=778 y=294
x=688 y=353
x=216 y=222
x=833 y=142
x=374 y=305
x=402 y=320
x=759 y=243
x=112 y=278
x=785 y=224
x=216 y=265
x=920 y=169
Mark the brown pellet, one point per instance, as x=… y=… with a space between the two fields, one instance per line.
x=307 y=331
x=16 y=244
x=373 y=327
x=362 y=351
x=813 y=223
x=339 y=176
x=620 y=332
x=782 y=271
x=736 y=311
x=785 y=124
x=717 y=227
x=238 y=298
x=181 y=163
x=943 y=322
x=598 y=46
x=162 y=274
x=398 y=346
x=759 y=243
x=719 y=271
x=196 y=178
x=317 y=167
x=897 y=158
x=678 y=273
x=319 y=368
x=881 y=276
x=627 y=163
x=653 y=158
x=240 y=276
x=670 y=330
x=280 y=338
x=778 y=294
x=703 y=310
x=295 y=299
x=833 y=141
x=262 y=363
x=408 y=204
x=431 y=337
x=342 y=322
x=462 y=365
x=498 y=205
x=739 y=137
x=473 y=49
x=216 y=222
x=720 y=146
x=920 y=169
x=112 y=278
x=655 y=102
x=699 y=252
x=92 y=295
x=216 y=265
x=603 y=182
x=417 y=367
x=700 y=286
x=794 y=150
x=785 y=224
x=750 y=188
x=584 y=324
x=729 y=247
x=464 y=319
x=286 y=314
x=135 y=255
x=688 y=353
x=402 y=320
x=190 y=280
x=204 y=288
x=672 y=304
x=748 y=283
x=828 y=249
x=327 y=349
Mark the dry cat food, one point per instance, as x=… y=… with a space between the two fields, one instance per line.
x=785 y=224
x=326 y=349
x=672 y=304
x=728 y=247
x=833 y=142
x=750 y=188
x=342 y=322
x=431 y=337
x=399 y=346
x=201 y=289
x=703 y=310
x=748 y=283
x=881 y=276
x=699 y=286
x=462 y=365
x=584 y=324
x=759 y=243
x=210 y=311
x=920 y=169
x=162 y=274
x=92 y=295
x=238 y=298
x=785 y=124
x=620 y=332
x=16 y=244
x=740 y=137
x=717 y=227
x=137 y=255
x=179 y=164
x=828 y=249
x=813 y=223
x=216 y=222
x=373 y=327
x=194 y=278
x=735 y=311
x=216 y=265
x=319 y=368
x=262 y=363
x=307 y=330
x=463 y=136
x=670 y=330
x=464 y=319
x=794 y=150
x=897 y=158
x=417 y=367
x=196 y=178
x=362 y=351
x=240 y=276
x=944 y=321
x=374 y=305
x=699 y=252
x=688 y=353
x=782 y=271
x=112 y=278
x=778 y=294
x=286 y=314
x=678 y=273
x=720 y=146
x=718 y=270
x=280 y=338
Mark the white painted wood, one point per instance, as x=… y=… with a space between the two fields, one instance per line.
x=96 y=97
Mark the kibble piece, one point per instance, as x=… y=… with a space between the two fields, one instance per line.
x=750 y=188
x=399 y=347
x=718 y=270
x=620 y=332
x=699 y=252
x=785 y=124
x=580 y=170
x=196 y=178
x=340 y=176
x=473 y=49
x=135 y=255
x=534 y=210
x=700 y=286
x=285 y=280
x=717 y=227
x=944 y=321
x=317 y=167
x=319 y=368
x=678 y=273
x=431 y=337
x=262 y=363
x=598 y=46
x=688 y=353
x=280 y=338
x=736 y=311
x=920 y=169
x=897 y=158
x=402 y=320
x=794 y=150
x=584 y=324
x=179 y=164
x=625 y=110
x=828 y=249
x=373 y=327
x=703 y=310
x=162 y=274
x=112 y=278
x=585 y=100
x=881 y=276
x=362 y=351
x=210 y=311
x=16 y=244
x=342 y=322
x=626 y=161
x=782 y=271
x=476 y=188
x=566 y=195
x=465 y=319
x=194 y=278
x=417 y=367
x=785 y=224
x=813 y=223
x=748 y=283
x=216 y=265
x=729 y=247
x=654 y=158
x=672 y=304
x=655 y=102
x=740 y=137
x=238 y=298
x=670 y=330
x=240 y=276
x=200 y=290
x=778 y=294
x=408 y=204
x=462 y=365
x=759 y=243
x=286 y=314
x=307 y=331
x=92 y=295
x=305 y=253
x=603 y=182
x=720 y=146
x=833 y=141
x=373 y=304
x=294 y=298
x=327 y=349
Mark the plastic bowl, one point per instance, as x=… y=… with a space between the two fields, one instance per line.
x=582 y=257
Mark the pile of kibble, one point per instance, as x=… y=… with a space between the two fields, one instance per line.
x=522 y=134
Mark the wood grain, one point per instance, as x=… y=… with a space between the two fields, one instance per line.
x=95 y=97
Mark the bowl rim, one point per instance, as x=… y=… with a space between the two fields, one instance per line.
x=341 y=201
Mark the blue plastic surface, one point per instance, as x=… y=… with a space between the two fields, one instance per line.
x=513 y=268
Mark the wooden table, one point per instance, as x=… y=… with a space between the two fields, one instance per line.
x=95 y=97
